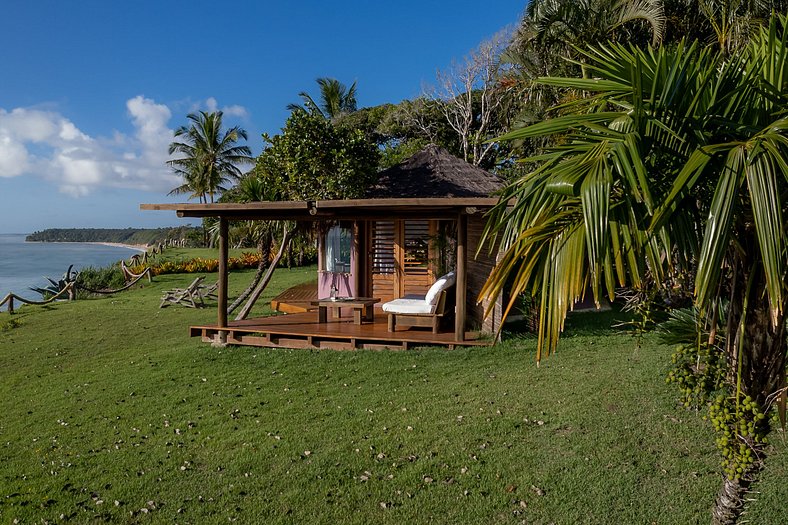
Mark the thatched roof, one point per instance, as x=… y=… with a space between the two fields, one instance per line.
x=434 y=172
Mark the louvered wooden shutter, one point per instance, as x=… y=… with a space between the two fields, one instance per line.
x=417 y=277
x=384 y=264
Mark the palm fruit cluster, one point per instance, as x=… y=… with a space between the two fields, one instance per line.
x=741 y=427
x=698 y=371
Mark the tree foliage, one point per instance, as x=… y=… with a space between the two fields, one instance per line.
x=315 y=159
x=472 y=100
x=149 y=236
x=210 y=157
x=676 y=160
x=336 y=100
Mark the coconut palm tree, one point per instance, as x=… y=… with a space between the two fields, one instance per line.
x=677 y=159
x=553 y=29
x=548 y=41
x=336 y=99
x=210 y=157
x=732 y=21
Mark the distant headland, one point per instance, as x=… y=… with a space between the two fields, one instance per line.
x=119 y=236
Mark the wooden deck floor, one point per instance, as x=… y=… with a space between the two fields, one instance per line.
x=301 y=330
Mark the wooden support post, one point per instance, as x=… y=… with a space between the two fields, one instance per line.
x=222 y=291
x=10 y=305
x=399 y=258
x=356 y=268
x=462 y=279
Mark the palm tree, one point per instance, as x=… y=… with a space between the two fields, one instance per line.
x=553 y=29
x=211 y=158
x=732 y=21
x=548 y=43
x=676 y=160
x=336 y=99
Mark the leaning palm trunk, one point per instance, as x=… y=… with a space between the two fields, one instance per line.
x=255 y=280
x=286 y=237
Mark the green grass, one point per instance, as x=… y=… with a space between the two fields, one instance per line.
x=108 y=408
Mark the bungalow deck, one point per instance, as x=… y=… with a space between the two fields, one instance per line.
x=302 y=330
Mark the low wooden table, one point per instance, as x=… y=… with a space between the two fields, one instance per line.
x=359 y=305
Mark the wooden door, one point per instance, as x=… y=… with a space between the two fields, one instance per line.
x=400 y=256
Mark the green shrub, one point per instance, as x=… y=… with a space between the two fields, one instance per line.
x=200 y=265
x=9 y=324
x=107 y=278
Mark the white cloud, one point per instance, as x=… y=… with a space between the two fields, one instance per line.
x=13 y=157
x=235 y=111
x=150 y=120
x=69 y=132
x=212 y=105
x=29 y=125
x=46 y=145
x=79 y=173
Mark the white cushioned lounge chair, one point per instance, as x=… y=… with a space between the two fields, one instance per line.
x=418 y=310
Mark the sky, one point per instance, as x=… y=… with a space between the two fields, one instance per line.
x=91 y=91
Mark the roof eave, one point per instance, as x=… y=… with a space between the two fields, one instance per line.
x=437 y=207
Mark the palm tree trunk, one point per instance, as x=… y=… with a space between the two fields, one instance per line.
x=730 y=502
x=257 y=276
x=286 y=237
x=762 y=350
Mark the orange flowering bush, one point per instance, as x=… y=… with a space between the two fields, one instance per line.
x=200 y=265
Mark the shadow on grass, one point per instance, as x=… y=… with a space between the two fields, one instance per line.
x=582 y=323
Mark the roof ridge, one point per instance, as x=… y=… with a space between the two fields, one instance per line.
x=434 y=172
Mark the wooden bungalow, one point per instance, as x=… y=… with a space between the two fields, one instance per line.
x=421 y=219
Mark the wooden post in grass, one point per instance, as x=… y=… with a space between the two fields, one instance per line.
x=461 y=281
x=221 y=337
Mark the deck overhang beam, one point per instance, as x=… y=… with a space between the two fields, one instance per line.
x=323 y=210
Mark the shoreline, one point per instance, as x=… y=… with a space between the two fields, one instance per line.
x=142 y=248
x=137 y=247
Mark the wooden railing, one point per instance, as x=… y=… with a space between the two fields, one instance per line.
x=68 y=290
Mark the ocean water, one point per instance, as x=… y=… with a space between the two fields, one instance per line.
x=25 y=264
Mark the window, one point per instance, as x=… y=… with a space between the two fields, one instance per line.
x=337 y=248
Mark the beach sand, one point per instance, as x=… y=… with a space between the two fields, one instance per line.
x=138 y=247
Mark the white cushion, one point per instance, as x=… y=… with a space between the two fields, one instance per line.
x=443 y=283
x=408 y=306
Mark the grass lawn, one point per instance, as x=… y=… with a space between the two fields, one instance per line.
x=110 y=412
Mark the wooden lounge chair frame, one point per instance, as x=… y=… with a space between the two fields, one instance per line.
x=432 y=320
x=188 y=297
x=209 y=292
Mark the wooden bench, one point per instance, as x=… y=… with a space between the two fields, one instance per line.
x=431 y=320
